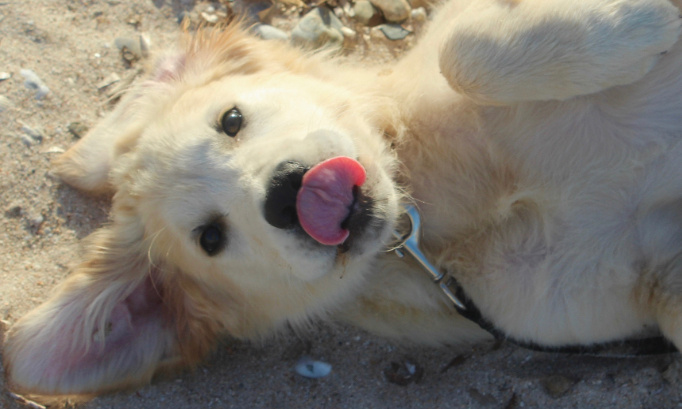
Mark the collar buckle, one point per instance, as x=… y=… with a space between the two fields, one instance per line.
x=409 y=243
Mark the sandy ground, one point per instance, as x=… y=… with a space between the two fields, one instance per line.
x=69 y=45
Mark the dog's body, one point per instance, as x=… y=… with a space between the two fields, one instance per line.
x=540 y=141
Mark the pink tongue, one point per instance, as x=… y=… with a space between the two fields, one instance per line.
x=326 y=196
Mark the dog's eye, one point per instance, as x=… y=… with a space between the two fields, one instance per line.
x=212 y=238
x=231 y=122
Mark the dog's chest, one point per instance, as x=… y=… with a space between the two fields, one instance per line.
x=543 y=231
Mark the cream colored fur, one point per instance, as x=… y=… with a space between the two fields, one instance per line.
x=540 y=139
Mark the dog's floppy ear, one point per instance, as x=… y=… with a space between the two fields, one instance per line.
x=86 y=164
x=115 y=321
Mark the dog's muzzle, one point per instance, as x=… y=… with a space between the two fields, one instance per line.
x=281 y=192
x=324 y=201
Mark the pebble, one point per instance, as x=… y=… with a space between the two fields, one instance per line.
x=77 y=129
x=5 y=103
x=14 y=210
x=394 y=32
x=310 y=368
x=317 y=29
x=250 y=9
x=5 y=76
x=557 y=386
x=394 y=11
x=54 y=149
x=348 y=32
x=31 y=136
x=403 y=373
x=211 y=15
x=366 y=14
x=33 y=81
x=426 y=4
x=268 y=32
x=209 y=18
x=133 y=49
x=418 y=15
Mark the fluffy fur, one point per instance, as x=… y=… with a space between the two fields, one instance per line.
x=540 y=140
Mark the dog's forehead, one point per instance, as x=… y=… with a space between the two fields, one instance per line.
x=272 y=107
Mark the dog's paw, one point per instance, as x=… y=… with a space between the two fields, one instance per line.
x=635 y=34
x=555 y=50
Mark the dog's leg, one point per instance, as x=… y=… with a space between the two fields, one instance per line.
x=505 y=51
x=661 y=295
x=659 y=290
x=402 y=303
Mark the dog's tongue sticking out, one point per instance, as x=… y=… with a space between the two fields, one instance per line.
x=326 y=197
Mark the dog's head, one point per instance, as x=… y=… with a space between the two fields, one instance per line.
x=250 y=191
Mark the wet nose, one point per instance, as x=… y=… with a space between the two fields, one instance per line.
x=280 y=195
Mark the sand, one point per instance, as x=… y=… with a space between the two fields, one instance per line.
x=70 y=46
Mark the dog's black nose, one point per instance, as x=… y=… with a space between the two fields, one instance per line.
x=280 y=196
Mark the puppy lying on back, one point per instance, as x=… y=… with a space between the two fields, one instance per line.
x=255 y=187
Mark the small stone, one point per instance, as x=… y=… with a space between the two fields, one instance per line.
x=14 y=210
x=418 y=15
x=54 y=149
x=5 y=76
x=266 y=16
x=317 y=29
x=310 y=368
x=209 y=18
x=134 y=20
x=348 y=32
x=268 y=32
x=394 y=11
x=108 y=80
x=5 y=103
x=31 y=136
x=133 y=49
x=366 y=14
x=403 y=373
x=557 y=386
x=77 y=129
x=250 y=9
x=394 y=32
x=32 y=81
x=426 y=4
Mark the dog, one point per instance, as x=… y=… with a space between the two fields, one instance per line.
x=256 y=187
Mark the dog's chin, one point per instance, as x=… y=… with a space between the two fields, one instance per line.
x=367 y=227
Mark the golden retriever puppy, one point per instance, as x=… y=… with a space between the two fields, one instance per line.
x=256 y=187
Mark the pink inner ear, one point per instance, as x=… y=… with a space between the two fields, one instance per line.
x=130 y=319
x=56 y=358
x=169 y=68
